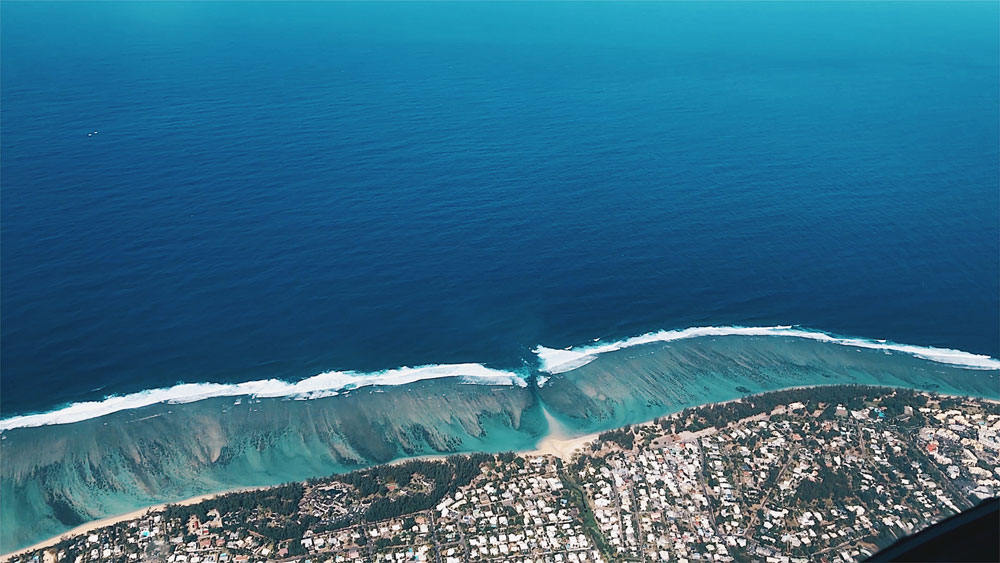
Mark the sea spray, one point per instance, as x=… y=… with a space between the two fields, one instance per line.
x=328 y=384
x=551 y=361
x=639 y=382
x=558 y=361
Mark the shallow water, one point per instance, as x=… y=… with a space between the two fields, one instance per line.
x=167 y=452
x=54 y=476
x=640 y=383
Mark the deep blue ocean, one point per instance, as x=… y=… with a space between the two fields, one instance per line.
x=275 y=190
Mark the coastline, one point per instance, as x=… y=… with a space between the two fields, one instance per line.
x=112 y=520
x=558 y=442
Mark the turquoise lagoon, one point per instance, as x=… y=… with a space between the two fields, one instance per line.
x=57 y=476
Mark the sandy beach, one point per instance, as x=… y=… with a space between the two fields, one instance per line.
x=551 y=445
x=563 y=448
x=90 y=526
x=559 y=442
x=556 y=443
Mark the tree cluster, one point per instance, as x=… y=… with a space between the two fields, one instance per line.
x=624 y=437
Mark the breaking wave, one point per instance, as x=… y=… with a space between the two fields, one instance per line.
x=559 y=361
x=323 y=385
x=552 y=361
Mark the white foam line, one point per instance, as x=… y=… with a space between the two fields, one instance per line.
x=560 y=361
x=323 y=385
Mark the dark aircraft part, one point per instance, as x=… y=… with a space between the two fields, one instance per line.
x=973 y=535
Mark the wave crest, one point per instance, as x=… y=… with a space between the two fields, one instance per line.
x=552 y=361
x=559 y=361
x=326 y=384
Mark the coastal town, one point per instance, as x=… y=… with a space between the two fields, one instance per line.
x=815 y=474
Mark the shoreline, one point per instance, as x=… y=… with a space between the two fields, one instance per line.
x=558 y=442
x=112 y=520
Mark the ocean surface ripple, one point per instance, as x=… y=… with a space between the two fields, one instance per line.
x=217 y=194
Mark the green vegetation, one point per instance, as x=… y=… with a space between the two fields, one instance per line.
x=830 y=485
x=250 y=509
x=281 y=500
x=853 y=397
x=445 y=478
x=577 y=497
x=806 y=455
x=624 y=437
